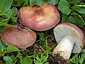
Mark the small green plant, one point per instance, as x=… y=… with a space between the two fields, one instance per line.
x=18 y=59
x=42 y=37
x=78 y=59
x=42 y=57
x=72 y=12
x=4 y=50
x=41 y=60
x=25 y=60
x=7 y=14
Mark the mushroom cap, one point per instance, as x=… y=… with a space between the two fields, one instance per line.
x=39 y=18
x=19 y=37
x=64 y=29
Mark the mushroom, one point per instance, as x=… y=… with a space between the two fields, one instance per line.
x=19 y=37
x=70 y=40
x=39 y=18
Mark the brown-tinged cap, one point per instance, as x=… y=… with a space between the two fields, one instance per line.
x=19 y=37
x=39 y=18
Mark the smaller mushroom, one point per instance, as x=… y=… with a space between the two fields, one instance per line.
x=70 y=40
x=19 y=37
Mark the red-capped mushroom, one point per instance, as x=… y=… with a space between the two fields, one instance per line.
x=70 y=40
x=19 y=37
x=39 y=18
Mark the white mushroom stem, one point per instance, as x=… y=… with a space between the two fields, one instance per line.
x=64 y=48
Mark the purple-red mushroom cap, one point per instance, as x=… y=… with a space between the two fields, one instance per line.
x=70 y=39
x=19 y=37
x=39 y=18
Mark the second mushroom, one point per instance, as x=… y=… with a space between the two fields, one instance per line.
x=70 y=39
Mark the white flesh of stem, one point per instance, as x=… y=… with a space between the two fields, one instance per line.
x=64 y=48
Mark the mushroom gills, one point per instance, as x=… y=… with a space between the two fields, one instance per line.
x=63 y=30
x=64 y=48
